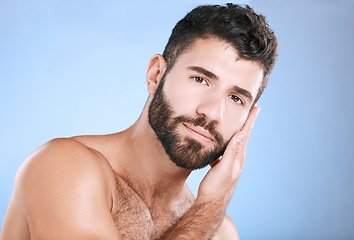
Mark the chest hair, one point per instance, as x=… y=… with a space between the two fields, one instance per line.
x=135 y=220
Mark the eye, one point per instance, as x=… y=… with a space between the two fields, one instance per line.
x=200 y=80
x=236 y=99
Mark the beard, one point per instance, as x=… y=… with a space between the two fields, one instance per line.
x=185 y=152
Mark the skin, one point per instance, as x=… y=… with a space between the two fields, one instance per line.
x=124 y=185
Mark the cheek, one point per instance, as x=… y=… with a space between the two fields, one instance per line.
x=235 y=123
x=181 y=96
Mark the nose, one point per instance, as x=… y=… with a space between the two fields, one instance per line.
x=212 y=108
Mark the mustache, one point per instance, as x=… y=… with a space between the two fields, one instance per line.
x=201 y=122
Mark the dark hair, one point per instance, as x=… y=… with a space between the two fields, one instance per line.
x=246 y=31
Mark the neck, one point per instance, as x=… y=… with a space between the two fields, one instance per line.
x=145 y=163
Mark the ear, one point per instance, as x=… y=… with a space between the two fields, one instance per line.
x=156 y=69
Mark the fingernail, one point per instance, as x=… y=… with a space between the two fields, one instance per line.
x=240 y=137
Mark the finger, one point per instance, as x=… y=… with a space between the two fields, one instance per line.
x=248 y=126
x=238 y=143
x=252 y=116
x=240 y=150
x=233 y=149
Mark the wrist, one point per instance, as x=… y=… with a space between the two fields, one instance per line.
x=219 y=199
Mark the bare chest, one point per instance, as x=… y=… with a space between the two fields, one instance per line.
x=135 y=220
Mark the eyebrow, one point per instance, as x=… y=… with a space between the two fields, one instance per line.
x=243 y=92
x=204 y=72
x=211 y=75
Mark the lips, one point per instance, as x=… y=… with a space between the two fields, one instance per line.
x=199 y=132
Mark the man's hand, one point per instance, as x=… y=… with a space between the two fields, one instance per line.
x=206 y=215
x=221 y=179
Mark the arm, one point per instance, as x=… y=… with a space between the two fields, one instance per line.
x=227 y=230
x=64 y=193
x=204 y=218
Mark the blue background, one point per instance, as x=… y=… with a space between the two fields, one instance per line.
x=78 y=67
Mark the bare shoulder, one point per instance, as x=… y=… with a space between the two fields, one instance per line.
x=64 y=183
x=65 y=159
x=227 y=230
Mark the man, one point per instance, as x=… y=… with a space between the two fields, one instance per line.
x=131 y=184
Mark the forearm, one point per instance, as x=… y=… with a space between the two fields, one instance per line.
x=201 y=221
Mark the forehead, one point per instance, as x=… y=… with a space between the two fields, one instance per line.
x=222 y=59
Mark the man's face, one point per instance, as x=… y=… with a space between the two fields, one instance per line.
x=203 y=101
